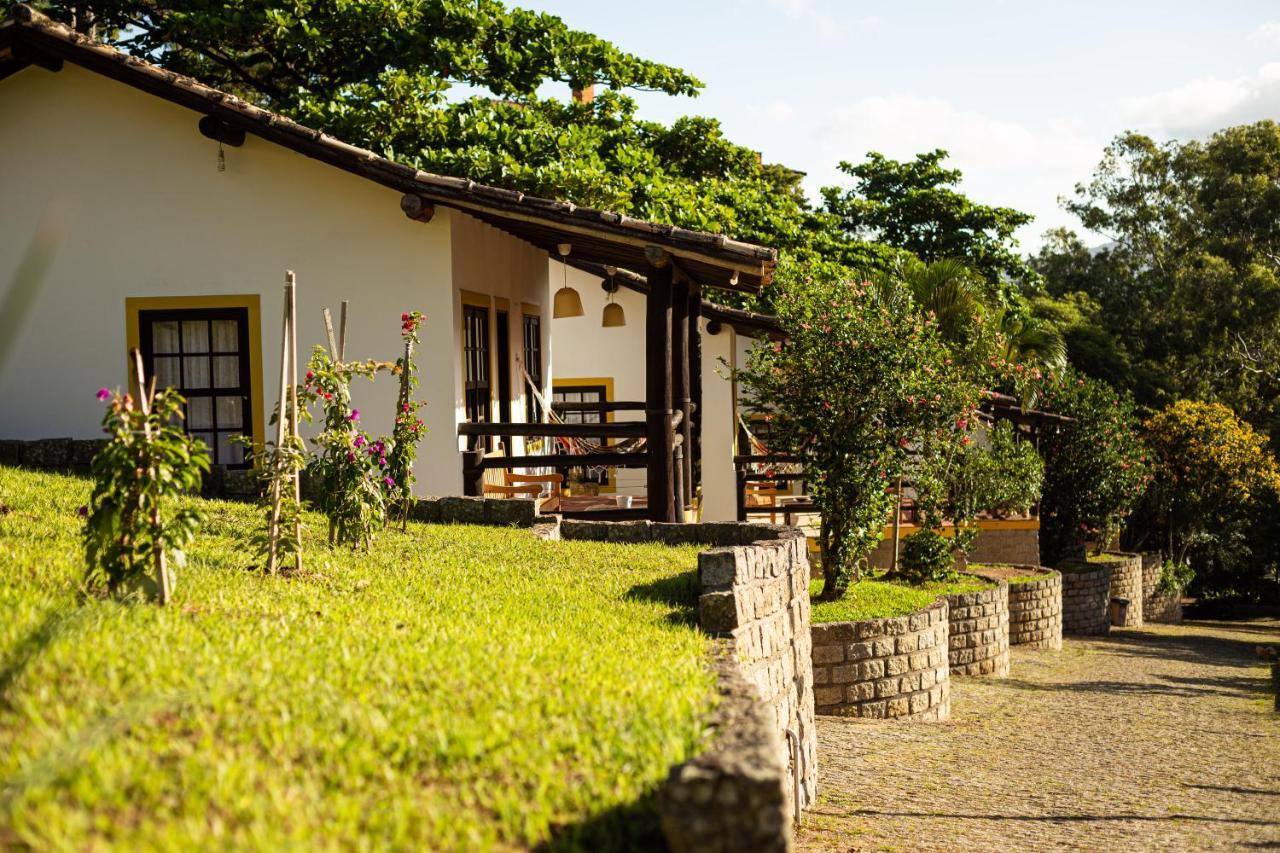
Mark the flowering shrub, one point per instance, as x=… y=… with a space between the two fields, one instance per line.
x=861 y=377
x=350 y=472
x=276 y=469
x=409 y=426
x=1095 y=468
x=1210 y=468
x=134 y=520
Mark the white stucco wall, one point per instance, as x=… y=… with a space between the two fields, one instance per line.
x=719 y=427
x=131 y=192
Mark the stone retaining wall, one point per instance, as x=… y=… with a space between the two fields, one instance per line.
x=1035 y=612
x=1126 y=582
x=992 y=545
x=1158 y=606
x=894 y=667
x=754 y=597
x=1086 y=598
x=979 y=631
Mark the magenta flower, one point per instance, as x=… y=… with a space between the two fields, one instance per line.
x=359 y=441
x=355 y=414
x=390 y=482
x=351 y=457
x=103 y=395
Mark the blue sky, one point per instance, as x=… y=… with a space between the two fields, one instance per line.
x=1024 y=95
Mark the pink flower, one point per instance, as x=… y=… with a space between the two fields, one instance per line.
x=355 y=415
x=351 y=457
x=390 y=482
x=404 y=317
x=359 y=442
x=103 y=395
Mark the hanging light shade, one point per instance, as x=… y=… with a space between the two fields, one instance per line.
x=567 y=302
x=613 y=315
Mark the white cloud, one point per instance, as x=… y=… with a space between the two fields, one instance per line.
x=1267 y=33
x=1201 y=106
x=776 y=111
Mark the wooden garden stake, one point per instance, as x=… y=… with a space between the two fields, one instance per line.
x=897 y=524
x=342 y=332
x=401 y=405
x=293 y=417
x=328 y=330
x=145 y=395
x=273 y=529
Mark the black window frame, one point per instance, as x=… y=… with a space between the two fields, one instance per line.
x=531 y=327
x=146 y=344
x=476 y=367
x=570 y=415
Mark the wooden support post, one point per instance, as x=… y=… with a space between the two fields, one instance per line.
x=680 y=384
x=328 y=331
x=659 y=438
x=473 y=472
x=164 y=584
x=693 y=451
x=677 y=484
x=342 y=332
x=740 y=492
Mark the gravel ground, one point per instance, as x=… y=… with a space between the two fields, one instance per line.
x=1159 y=737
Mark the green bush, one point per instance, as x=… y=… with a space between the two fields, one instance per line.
x=1175 y=576
x=1095 y=467
x=926 y=556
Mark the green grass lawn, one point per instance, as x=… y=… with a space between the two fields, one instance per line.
x=875 y=598
x=459 y=687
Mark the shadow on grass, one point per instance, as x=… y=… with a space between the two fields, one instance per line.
x=630 y=826
x=679 y=592
x=29 y=648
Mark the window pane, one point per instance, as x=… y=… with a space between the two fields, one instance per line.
x=195 y=371
x=226 y=371
x=195 y=336
x=226 y=336
x=164 y=336
x=200 y=413
x=230 y=412
x=228 y=453
x=166 y=372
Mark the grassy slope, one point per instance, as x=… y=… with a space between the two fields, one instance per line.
x=877 y=599
x=458 y=687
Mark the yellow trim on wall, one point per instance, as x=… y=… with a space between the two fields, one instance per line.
x=250 y=301
x=474 y=299
x=983 y=524
x=588 y=382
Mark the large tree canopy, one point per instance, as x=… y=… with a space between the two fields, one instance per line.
x=915 y=205
x=1187 y=293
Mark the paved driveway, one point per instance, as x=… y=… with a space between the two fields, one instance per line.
x=1154 y=738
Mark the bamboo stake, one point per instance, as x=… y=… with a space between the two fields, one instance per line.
x=273 y=529
x=294 y=474
x=145 y=396
x=400 y=405
x=328 y=330
x=897 y=525
x=342 y=332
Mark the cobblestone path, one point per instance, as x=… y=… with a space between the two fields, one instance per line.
x=1159 y=737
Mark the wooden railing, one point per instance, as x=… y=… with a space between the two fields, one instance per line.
x=475 y=462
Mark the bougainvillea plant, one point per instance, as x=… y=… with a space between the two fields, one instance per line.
x=409 y=427
x=276 y=468
x=858 y=381
x=349 y=473
x=136 y=521
x=1096 y=467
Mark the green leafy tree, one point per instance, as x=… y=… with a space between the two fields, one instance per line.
x=1188 y=286
x=916 y=206
x=858 y=381
x=1095 y=467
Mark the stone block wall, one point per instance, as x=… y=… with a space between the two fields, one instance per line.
x=1126 y=582
x=1086 y=598
x=1035 y=612
x=895 y=667
x=1158 y=606
x=979 y=631
x=754 y=597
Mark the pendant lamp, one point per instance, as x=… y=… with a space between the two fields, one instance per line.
x=613 y=315
x=567 y=302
